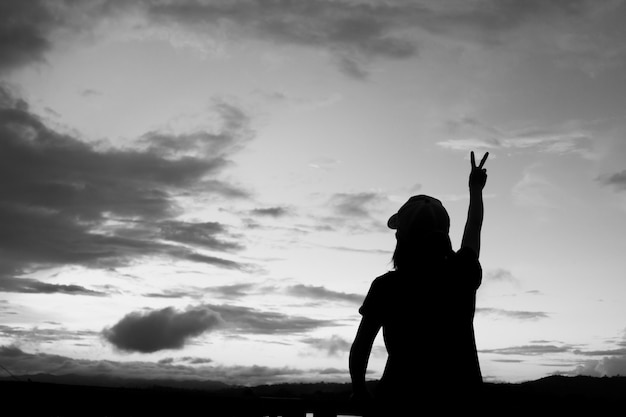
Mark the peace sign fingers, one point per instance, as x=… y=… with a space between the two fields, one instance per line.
x=482 y=161
x=478 y=175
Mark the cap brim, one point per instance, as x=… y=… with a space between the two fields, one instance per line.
x=392 y=223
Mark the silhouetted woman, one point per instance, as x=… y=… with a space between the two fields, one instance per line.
x=425 y=307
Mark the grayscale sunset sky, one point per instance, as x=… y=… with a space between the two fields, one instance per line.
x=200 y=189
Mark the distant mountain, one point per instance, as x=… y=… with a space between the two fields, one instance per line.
x=103 y=380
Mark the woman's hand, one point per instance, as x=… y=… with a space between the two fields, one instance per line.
x=478 y=175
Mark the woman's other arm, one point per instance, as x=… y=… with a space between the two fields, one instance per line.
x=359 y=357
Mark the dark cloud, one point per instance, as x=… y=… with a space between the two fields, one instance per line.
x=616 y=180
x=322 y=293
x=514 y=314
x=64 y=201
x=150 y=331
x=24 y=31
x=155 y=330
x=333 y=346
x=271 y=212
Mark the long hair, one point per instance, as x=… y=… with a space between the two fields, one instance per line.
x=421 y=249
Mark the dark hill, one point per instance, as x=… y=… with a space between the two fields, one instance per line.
x=555 y=395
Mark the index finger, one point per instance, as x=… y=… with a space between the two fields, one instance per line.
x=473 y=159
x=482 y=161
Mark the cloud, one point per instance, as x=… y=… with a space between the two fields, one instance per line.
x=500 y=275
x=579 y=34
x=616 y=180
x=358 y=212
x=346 y=29
x=252 y=321
x=24 y=30
x=529 y=350
x=513 y=314
x=606 y=352
x=102 y=207
x=90 y=92
x=535 y=191
x=32 y=286
x=21 y=363
x=354 y=204
x=322 y=293
x=275 y=212
x=333 y=346
x=612 y=363
x=185 y=359
x=38 y=334
x=156 y=330
x=607 y=366
x=356 y=32
x=202 y=234
x=228 y=292
x=472 y=134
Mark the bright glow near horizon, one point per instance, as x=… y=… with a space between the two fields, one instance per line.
x=305 y=126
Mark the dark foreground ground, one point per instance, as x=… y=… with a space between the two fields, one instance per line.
x=552 y=396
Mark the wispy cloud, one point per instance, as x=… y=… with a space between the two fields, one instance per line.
x=529 y=350
x=472 y=134
x=513 y=314
x=333 y=346
x=32 y=286
x=322 y=293
x=45 y=333
x=361 y=212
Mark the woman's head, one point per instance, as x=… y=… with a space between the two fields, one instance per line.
x=422 y=231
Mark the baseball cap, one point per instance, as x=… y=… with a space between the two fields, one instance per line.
x=421 y=212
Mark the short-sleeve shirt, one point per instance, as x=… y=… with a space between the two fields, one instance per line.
x=427 y=320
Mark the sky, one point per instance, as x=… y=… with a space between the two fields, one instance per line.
x=200 y=189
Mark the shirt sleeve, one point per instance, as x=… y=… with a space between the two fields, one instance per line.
x=469 y=266
x=373 y=304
